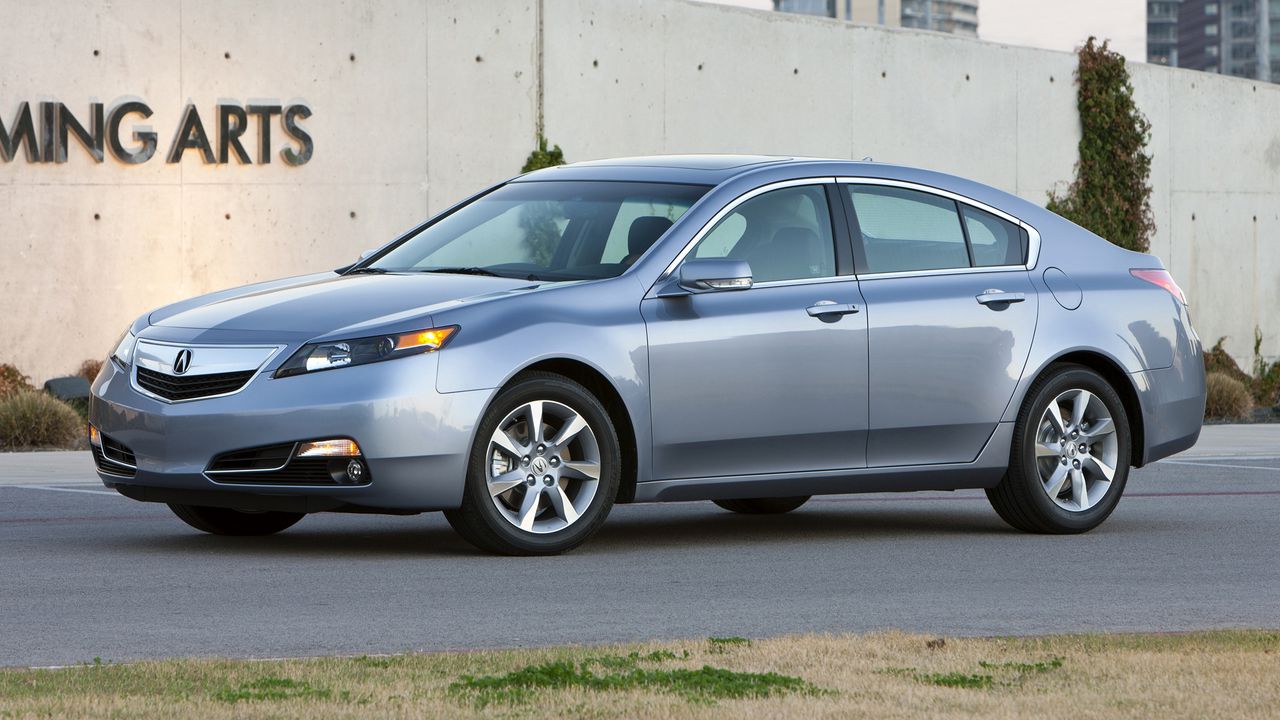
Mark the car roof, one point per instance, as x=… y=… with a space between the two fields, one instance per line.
x=716 y=170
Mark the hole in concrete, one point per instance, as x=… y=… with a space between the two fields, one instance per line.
x=595 y=63
x=479 y=59
x=966 y=77
x=795 y=71
x=352 y=56
x=1050 y=78
x=1255 y=218
x=353 y=213
x=96 y=216
x=95 y=54
x=227 y=216
x=226 y=55
x=1193 y=217
x=699 y=66
x=883 y=74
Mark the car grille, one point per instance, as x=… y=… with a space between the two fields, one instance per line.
x=114 y=458
x=275 y=465
x=191 y=387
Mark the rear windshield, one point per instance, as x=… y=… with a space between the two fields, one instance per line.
x=564 y=230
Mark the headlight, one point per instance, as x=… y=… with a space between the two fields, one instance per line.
x=342 y=353
x=123 y=354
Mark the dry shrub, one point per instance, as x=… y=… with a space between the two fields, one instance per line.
x=89 y=370
x=1217 y=360
x=31 y=419
x=12 y=380
x=1227 y=398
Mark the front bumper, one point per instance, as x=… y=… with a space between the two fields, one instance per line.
x=414 y=439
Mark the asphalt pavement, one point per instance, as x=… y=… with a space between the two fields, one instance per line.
x=85 y=573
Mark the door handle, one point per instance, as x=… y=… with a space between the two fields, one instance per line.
x=830 y=307
x=999 y=297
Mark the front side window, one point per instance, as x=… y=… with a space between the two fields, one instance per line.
x=782 y=234
x=560 y=230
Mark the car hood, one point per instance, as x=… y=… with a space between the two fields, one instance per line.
x=316 y=305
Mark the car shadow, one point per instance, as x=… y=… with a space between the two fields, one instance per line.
x=685 y=525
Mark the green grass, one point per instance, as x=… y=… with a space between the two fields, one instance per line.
x=272 y=688
x=623 y=673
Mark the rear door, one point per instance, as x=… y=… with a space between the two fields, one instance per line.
x=951 y=313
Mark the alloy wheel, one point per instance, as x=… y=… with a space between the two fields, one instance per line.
x=1076 y=450
x=544 y=466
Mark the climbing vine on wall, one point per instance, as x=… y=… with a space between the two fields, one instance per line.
x=1111 y=193
x=541 y=233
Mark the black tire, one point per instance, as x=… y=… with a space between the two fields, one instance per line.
x=763 y=506
x=225 y=521
x=1021 y=499
x=479 y=521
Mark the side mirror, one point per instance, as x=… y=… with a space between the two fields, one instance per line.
x=710 y=275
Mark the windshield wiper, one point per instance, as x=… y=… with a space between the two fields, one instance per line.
x=462 y=271
x=366 y=271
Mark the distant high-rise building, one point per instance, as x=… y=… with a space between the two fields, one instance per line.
x=1232 y=37
x=958 y=17
x=867 y=12
x=1162 y=32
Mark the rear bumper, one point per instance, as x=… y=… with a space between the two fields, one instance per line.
x=1172 y=402
x=415 y=440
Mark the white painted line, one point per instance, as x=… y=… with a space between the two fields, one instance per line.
x=59 y=489
x=1221 y=465
x=1241 y=456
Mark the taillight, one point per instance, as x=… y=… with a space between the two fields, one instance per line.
x=1161 y=277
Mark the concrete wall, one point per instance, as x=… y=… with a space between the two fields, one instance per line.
x=442 y=99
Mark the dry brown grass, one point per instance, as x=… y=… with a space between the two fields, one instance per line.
x=1226 y=398
x=1217 y=674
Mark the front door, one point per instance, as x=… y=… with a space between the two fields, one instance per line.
x=952 y=313
x=749 y=382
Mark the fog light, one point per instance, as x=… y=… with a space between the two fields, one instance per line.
x=355 y=472
x=329 y=448
x=95 y=437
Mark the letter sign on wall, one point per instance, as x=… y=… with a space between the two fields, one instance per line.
x=45 y=135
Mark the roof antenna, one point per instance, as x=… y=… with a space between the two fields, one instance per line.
x=867 y=159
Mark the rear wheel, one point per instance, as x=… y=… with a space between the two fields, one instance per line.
x=225 y=521
x=1070 y=456
x=544 y=470
x=763 y=506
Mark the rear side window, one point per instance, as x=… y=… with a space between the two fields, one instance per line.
x=905 y=230
x=995 y=241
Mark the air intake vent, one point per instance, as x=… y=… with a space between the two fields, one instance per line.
x=191 y=387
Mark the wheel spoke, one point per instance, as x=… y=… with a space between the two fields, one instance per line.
x=507 y=443
x=561 y=503
x=1044 y=449
x=533 y=414
x=572 y=427
x=1100 y=427
x=505 y=482
x=1079 y=490
x=1054 y=484
x=1054 y=415
x=1081 y=404
x=1103 y=469
x=529 y=507
x=582 y=470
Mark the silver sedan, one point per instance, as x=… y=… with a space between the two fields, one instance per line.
x=747 y=330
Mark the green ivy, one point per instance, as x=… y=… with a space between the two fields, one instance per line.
x=1111 y=194
x=542 y=157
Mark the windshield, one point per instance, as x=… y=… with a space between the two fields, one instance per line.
x=547 y=231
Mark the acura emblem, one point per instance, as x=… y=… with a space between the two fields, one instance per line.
x=182 y=363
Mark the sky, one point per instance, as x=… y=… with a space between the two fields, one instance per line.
x=1050 y=24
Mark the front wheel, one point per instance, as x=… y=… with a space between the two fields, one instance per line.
x=1070 y=456
x=225 y=521
x=544 y=469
